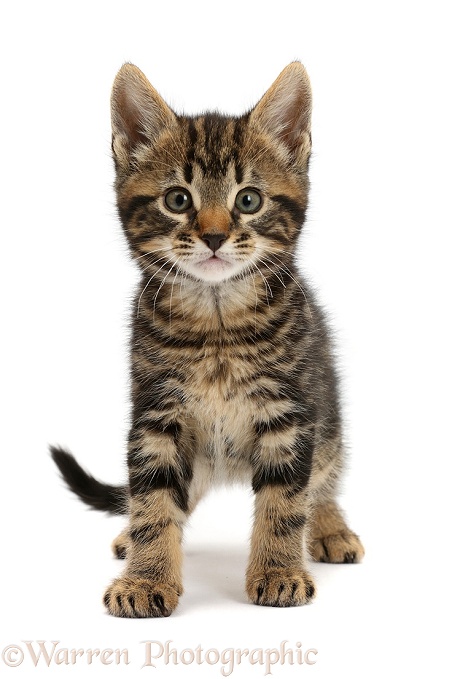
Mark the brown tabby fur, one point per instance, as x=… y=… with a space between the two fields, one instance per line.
x=231 y=364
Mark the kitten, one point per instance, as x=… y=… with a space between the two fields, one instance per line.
x=232 y=374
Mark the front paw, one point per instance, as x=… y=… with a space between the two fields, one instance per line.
x=279 y=587
x=129 y=597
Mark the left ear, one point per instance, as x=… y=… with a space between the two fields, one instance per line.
x=285 y=111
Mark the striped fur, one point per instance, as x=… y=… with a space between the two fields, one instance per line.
x=232 y=373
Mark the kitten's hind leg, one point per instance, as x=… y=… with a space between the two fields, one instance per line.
x=330 y=539
x=120 y=544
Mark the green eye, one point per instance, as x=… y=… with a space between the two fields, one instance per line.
x=178 y=200
x=248 y=201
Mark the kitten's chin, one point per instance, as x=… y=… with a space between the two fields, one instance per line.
x=213 y=270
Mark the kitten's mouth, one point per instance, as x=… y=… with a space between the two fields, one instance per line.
x=215 y=261
x=213 y=267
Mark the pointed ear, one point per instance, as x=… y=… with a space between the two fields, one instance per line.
x=285 y=111
x=138 y=113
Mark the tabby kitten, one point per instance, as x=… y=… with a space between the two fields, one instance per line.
x=232 y=375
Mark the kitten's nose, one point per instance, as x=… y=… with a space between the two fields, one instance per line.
x=214 y=240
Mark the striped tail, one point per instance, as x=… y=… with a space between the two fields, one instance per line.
x=98 y=495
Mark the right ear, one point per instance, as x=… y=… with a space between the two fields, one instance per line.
x=285 y=112
x=138 y=113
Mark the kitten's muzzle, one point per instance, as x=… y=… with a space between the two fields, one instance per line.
x=214 y=222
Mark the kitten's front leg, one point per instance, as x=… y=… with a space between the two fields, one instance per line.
x=276 y=574
x=159 y=477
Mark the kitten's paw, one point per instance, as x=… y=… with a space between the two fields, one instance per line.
x=120 y=544
x=139 y=598
x=343 y=547
x=280 y=587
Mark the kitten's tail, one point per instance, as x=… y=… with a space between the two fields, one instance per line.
x=98 y=495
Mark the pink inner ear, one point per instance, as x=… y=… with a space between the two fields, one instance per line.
x=296 y=122
x=285 y=109
x=129 y=118
x=138 y=111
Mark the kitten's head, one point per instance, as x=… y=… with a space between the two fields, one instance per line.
x=212 y=196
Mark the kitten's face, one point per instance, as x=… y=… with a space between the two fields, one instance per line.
x=212 y=197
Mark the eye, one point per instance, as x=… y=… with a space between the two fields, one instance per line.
x=248 y=201
x=178 y=200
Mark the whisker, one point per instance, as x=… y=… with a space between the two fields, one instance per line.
x=248 y=269
x=154 y=262
x=259 y=259
x=266 y=283
x=152 y=252
x=283 y=266
x=171 y=296
x=182 y=285
x=160 y=287
x=146 y=286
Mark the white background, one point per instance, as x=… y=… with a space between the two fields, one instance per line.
x=377 y=248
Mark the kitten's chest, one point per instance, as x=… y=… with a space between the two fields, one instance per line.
x=217 y=387
x=218 y=402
